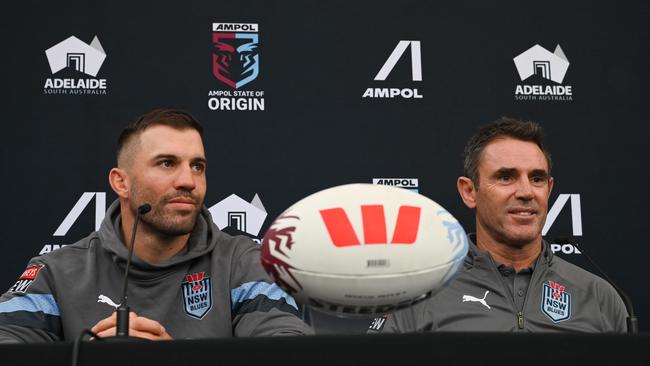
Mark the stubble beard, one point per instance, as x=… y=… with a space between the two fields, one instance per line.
x=167 y=223
x=500 y=233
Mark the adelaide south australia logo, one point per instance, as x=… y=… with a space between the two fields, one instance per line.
x=235 y=67
x=76 y=64
x=556 y=302
x=543 y=72
x=197 y=294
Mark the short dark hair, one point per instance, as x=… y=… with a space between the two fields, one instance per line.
x=171 y=117
x=502 y=127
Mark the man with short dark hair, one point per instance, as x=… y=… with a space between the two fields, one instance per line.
x=187 y=279
x=511 y=281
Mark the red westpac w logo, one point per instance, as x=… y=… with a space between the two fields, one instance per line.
x=342 y=233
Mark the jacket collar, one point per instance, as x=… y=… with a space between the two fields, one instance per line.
x=477 y=257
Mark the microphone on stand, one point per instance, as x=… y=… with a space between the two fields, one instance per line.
x=632 y=321
x=122 y=326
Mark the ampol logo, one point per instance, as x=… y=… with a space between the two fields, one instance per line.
x=408 y=183
x=576 y=222
x=387 y=68
x=342 y=233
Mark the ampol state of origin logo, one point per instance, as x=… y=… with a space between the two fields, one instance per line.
x=235 y=63
x=556 y=302
x=80 y=57
x=197 y=294
x=543 y=65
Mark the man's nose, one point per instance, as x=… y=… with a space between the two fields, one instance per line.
x=185 y=178
x=524 y=190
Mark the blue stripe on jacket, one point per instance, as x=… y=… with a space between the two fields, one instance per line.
x=44 y=303
x=251 y=290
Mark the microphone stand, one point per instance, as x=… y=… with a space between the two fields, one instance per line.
x=122 y=323
x=632 y=321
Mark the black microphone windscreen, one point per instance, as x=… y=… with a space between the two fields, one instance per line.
x=144 y=209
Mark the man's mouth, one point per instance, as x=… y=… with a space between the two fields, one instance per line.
x=182 y=201
x=524 y=212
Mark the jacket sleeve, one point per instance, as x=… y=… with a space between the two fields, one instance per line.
x=408 y=320
x=28 y=310
x=258 y=306
x=612 y=308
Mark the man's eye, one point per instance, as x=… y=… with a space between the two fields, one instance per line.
x=166 y=163
x=505 y=178
x=538 y=179
x=198 y=167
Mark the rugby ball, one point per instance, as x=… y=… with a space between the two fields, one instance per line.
x=363 y=249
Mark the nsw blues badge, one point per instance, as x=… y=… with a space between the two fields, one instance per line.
x=197 y=294
x=556 y=302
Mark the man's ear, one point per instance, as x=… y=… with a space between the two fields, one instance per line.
x=467 y=191
x=119 y=181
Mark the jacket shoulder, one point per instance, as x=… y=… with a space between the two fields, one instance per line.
x=68 y=253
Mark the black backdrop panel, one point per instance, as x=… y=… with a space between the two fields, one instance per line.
x=316 y=60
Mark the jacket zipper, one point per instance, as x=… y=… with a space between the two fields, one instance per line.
x=520 y=315
x=537 y=272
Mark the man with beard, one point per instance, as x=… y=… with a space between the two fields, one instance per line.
x=187 y=279
x=511 y=281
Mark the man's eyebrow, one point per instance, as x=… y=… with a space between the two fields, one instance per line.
x=165 y=156
x=201 y=160
x=504 y=171
x=539 y=173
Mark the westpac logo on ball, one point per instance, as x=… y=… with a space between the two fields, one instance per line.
x=373 y=218
x=544 y=65
x=74 y=54
x=387 y=68
x=236 y=63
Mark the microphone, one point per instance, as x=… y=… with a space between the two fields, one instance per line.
x=122 y=326
x=632 y=321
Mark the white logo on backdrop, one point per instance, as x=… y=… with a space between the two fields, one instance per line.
x=233 y=211
x=387 y=68
x=416 y=60
x=537 y=60
x=79 y=207
x=576 y=221
x=77 y=55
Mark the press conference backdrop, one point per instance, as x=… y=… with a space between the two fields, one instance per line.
x=299 y=96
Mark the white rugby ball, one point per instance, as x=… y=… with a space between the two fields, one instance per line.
x=363 y=249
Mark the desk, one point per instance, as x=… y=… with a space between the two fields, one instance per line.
x=403 y=349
